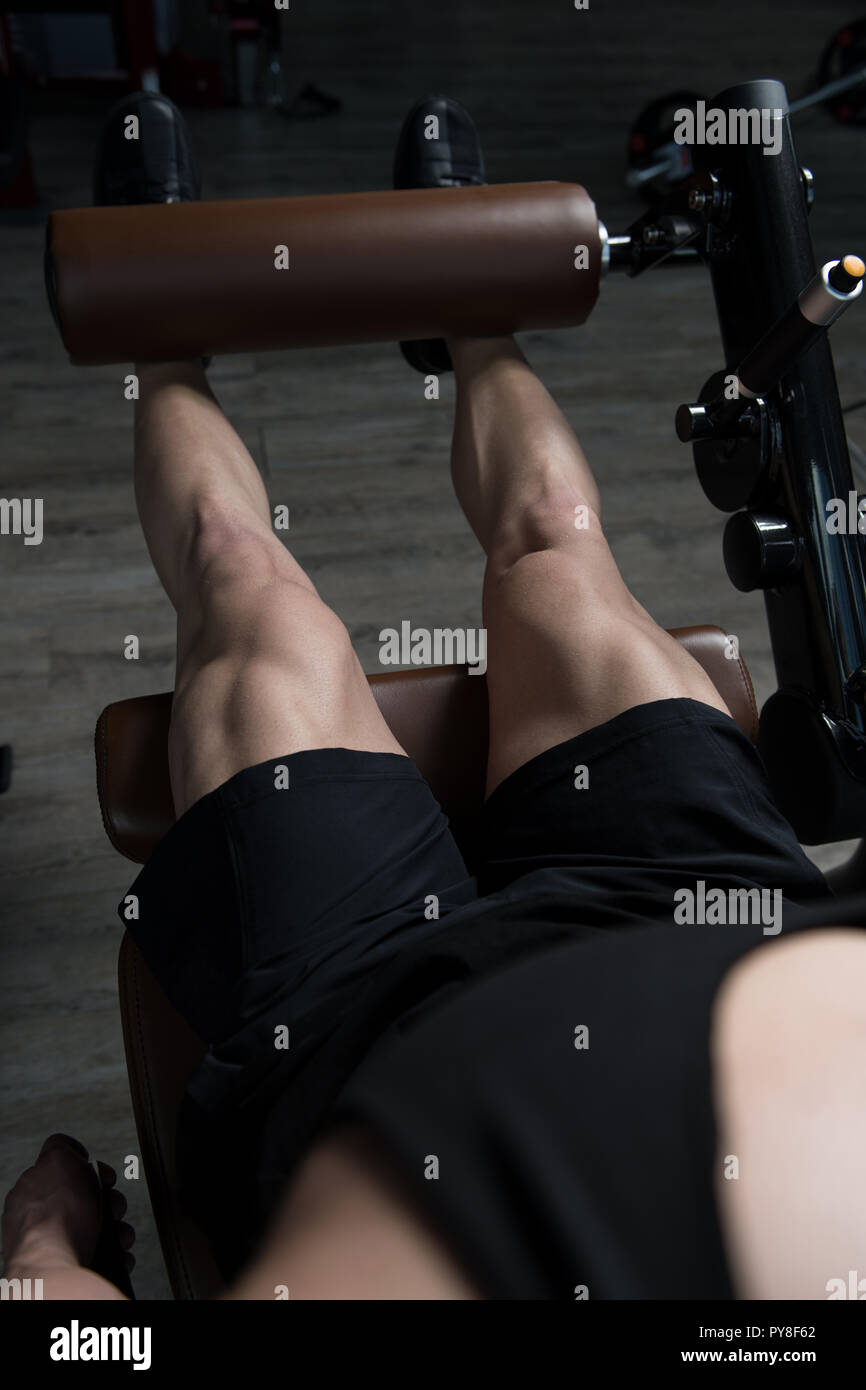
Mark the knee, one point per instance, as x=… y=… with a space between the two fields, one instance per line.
x=270 y=619
x=550 y=574
x=276 y=651
x=564 y=526
x=227 y=554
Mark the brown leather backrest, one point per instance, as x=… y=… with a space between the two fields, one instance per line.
x=438 y=714
x=162 y=1051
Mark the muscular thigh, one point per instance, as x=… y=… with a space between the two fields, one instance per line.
x=266 y=669
x=568 y=647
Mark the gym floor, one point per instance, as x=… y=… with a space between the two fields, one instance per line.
x=346 y=439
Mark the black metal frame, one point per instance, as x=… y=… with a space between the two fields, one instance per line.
x=745 y=215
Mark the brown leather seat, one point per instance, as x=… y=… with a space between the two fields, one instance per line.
x=439 y=716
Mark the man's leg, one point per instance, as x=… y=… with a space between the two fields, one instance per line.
x=264 y=667
x=568 y=645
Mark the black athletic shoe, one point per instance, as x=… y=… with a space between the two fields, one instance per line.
x=453 y=160
x=157 y=167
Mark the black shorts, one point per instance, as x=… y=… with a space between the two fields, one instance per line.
x=336 y=914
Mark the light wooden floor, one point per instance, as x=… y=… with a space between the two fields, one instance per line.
x=346 y=439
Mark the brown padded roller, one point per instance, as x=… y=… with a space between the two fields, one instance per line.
x=174 y=280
